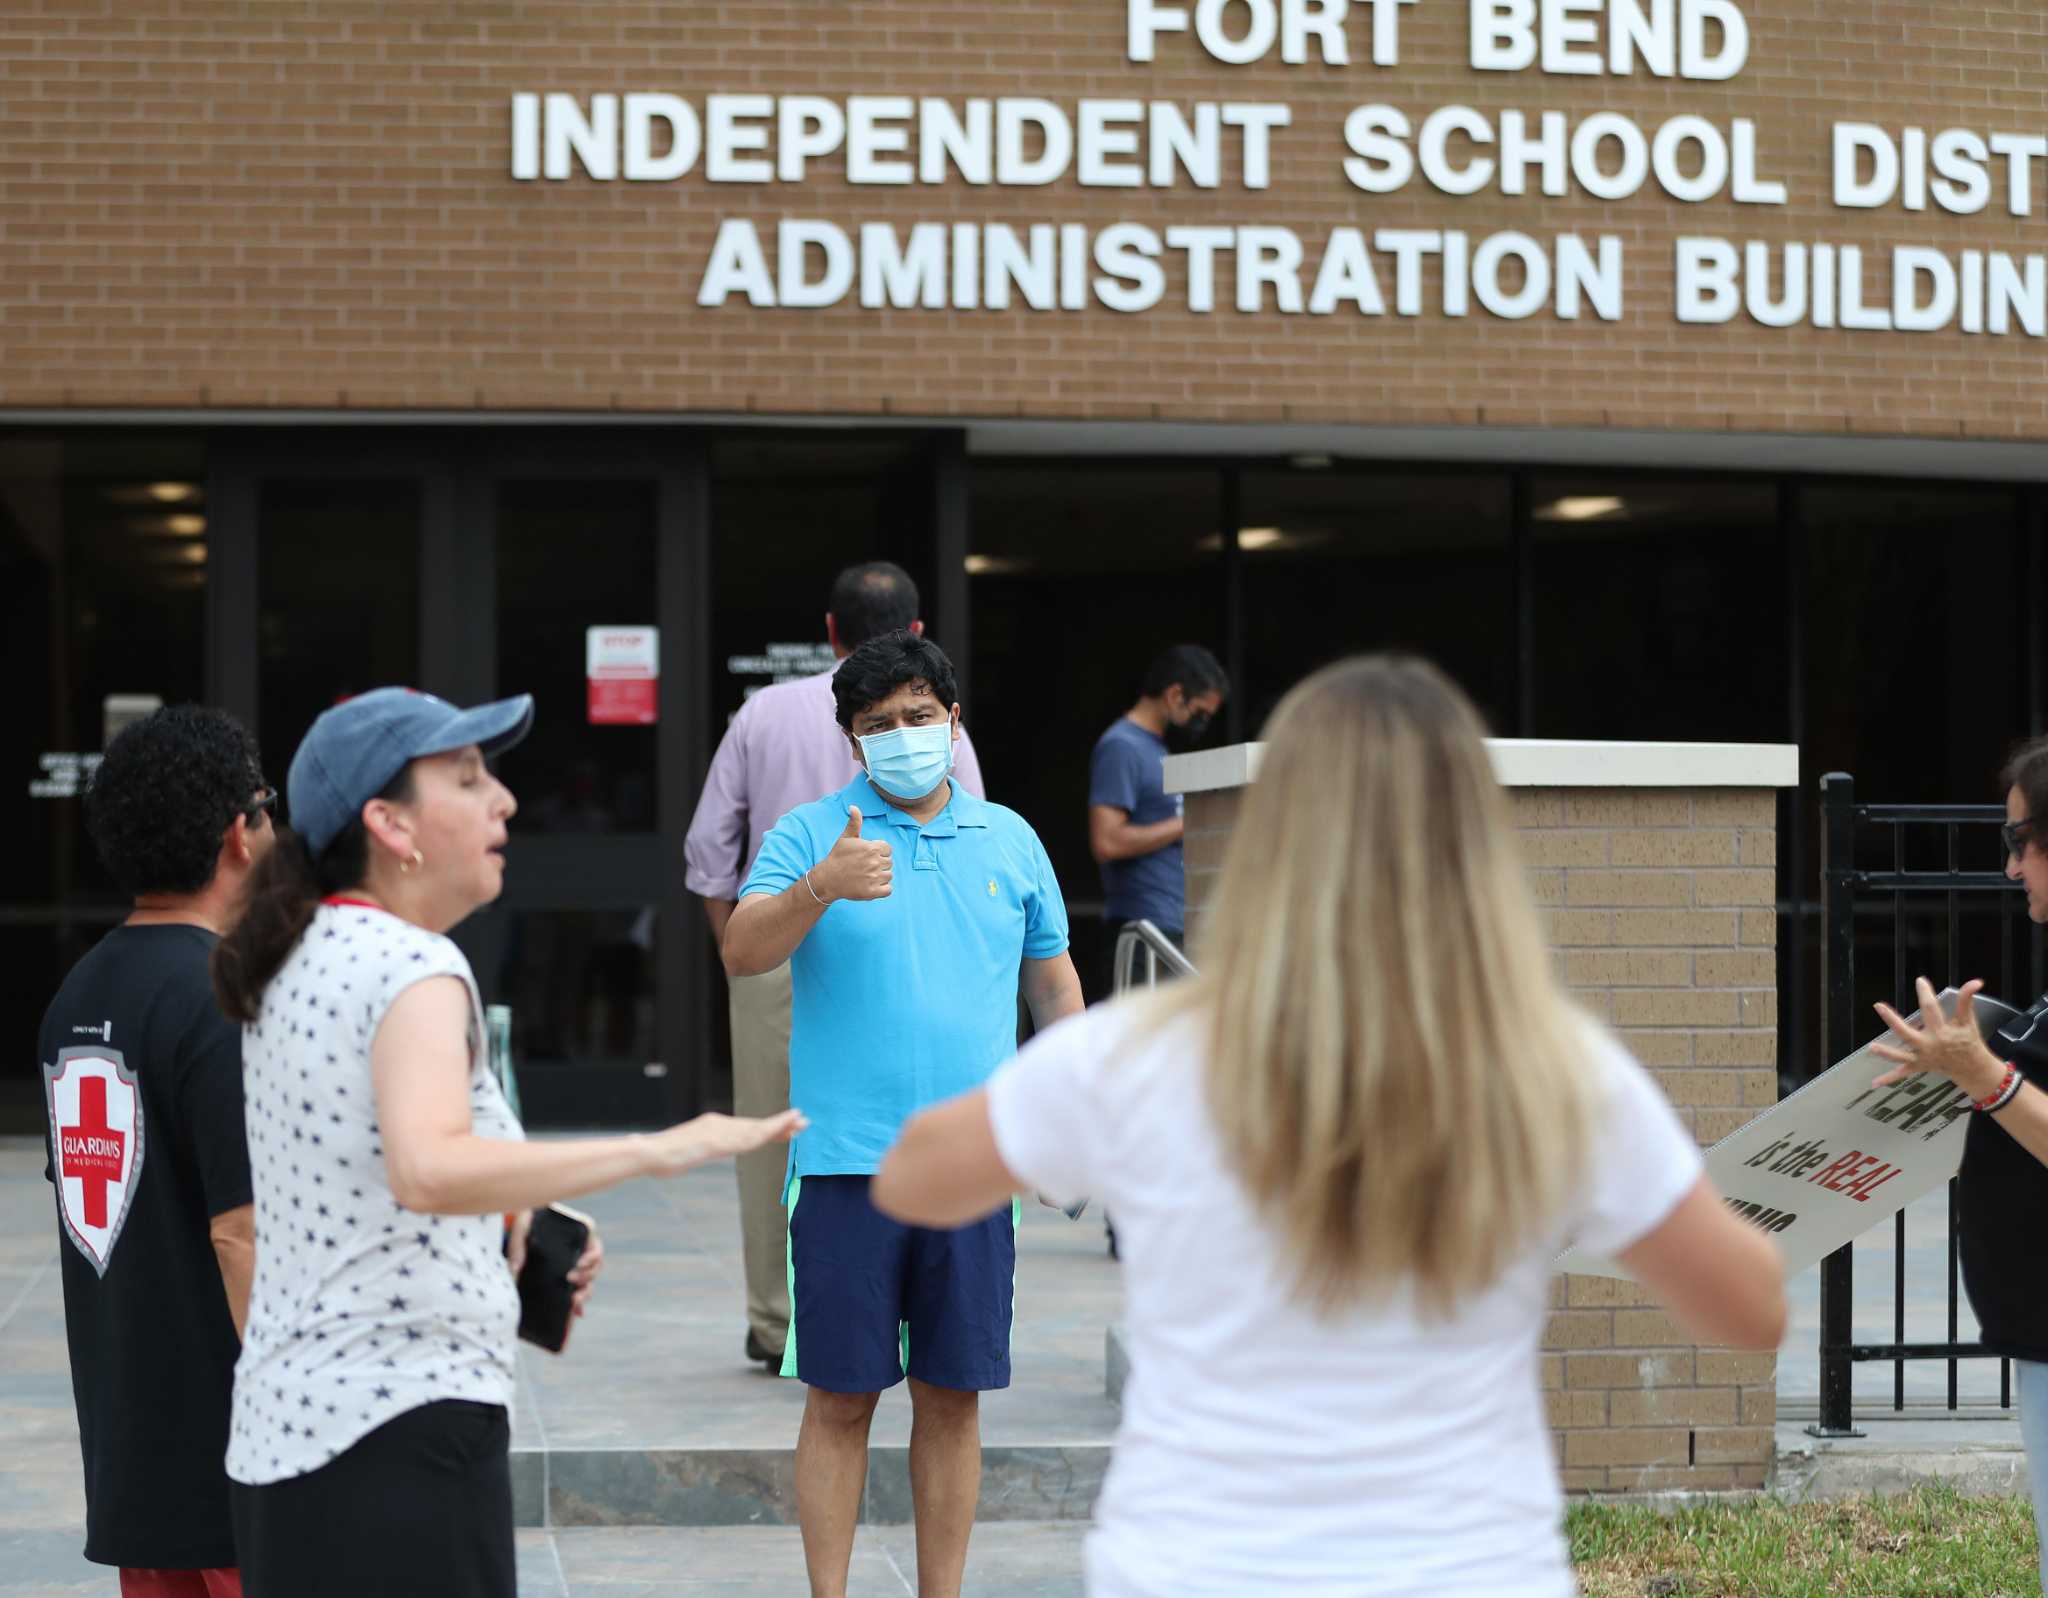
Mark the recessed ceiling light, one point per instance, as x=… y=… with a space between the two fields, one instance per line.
x=160 y=493
x=175 y=524
x=996 y=565
x=1259 y=537
x=1311 y=463
x=1582 y=508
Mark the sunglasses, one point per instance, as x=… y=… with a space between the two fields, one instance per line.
x=266 y=799
x=2016 y=835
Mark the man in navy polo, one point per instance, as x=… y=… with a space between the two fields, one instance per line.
x=912 y=914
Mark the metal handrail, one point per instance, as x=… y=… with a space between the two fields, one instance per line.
x=1158 y=949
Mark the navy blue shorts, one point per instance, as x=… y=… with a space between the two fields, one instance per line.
x=872 y=1300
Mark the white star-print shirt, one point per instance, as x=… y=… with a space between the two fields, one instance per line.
x=361 y=1309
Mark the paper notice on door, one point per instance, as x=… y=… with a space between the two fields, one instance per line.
x=1838 y=1156
x=623 y=668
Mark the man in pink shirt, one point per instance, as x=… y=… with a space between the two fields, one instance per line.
x=784 y=748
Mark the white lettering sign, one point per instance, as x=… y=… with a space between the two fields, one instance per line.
x=62 y=775
x=967 y=266
x=782 y=663
x=796 y=258
x=1708 y=39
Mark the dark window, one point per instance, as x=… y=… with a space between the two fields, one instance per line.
x=338 y=600
x=787 y=516
x=103 y=567
x=1659 y=609
x=1916 y=664
x=1337 y=562
x=1080 y=574
x=572 y=556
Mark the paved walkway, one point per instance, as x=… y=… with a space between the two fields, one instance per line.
x=652 y=1459
x=652 y=1415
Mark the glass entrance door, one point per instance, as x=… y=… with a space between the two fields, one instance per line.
x=575 y=945
x=477 y=567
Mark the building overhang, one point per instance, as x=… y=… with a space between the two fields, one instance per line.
x=1280 y=442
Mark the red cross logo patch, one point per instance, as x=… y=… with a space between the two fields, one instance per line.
x=96 y=1132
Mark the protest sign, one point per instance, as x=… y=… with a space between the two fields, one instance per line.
x=1838 y=1156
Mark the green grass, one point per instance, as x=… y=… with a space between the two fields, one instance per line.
x=1929 y=1544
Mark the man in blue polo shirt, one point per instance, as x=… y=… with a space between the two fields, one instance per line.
x=1134 y=824
x=912 y=914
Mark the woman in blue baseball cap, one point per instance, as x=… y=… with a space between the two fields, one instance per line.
x=370 y=1429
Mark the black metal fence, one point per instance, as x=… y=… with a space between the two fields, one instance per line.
x=1907 y=891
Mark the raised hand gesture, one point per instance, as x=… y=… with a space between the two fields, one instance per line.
x=855 y=869
x=1946 y=1045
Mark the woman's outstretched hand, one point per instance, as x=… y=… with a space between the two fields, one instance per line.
x=1946 y=1045
x=705 y=1138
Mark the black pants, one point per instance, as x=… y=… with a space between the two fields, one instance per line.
x=423 y=1504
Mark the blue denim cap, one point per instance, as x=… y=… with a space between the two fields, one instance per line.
x=354 y=749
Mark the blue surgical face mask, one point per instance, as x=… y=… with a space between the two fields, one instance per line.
x=909 y=762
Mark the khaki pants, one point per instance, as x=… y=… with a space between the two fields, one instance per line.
x=760 y=1086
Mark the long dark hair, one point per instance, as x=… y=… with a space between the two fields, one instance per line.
x=283 y=892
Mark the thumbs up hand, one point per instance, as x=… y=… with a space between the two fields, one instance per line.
x=855 y=869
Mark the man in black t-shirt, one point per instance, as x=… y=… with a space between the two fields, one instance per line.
x=142 y=1082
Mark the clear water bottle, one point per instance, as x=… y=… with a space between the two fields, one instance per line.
x=498 y=1035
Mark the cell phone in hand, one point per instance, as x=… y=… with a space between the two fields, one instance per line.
x=547 y=1297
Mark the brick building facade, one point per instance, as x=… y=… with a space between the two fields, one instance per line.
x=304 y=389
x=218 y=206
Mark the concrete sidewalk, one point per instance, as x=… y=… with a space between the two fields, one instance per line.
x=652 y=1420
x=652 y=1458
x=1976 y=1451
x=653 y=1417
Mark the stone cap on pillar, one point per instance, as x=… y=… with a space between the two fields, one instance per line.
x=1550 y=763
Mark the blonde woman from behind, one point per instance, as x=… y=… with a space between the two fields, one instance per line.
x=1342 y=1162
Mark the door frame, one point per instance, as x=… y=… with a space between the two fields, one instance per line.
x=459 y=473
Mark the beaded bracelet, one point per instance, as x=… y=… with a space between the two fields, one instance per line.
x=2007 y=1089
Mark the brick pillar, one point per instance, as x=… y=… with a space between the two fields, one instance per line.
x=1660 y=907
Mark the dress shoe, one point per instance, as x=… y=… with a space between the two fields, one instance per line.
x=769 y=1358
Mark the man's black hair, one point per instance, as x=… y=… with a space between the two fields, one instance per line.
x=1196 y=670
x=165 y=792
x=870 y=600
x=882 y=665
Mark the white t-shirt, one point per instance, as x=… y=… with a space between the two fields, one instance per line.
x=1379 y=1455
x=361 y=1309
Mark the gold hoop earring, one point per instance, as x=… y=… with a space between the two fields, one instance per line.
x=407 y=867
